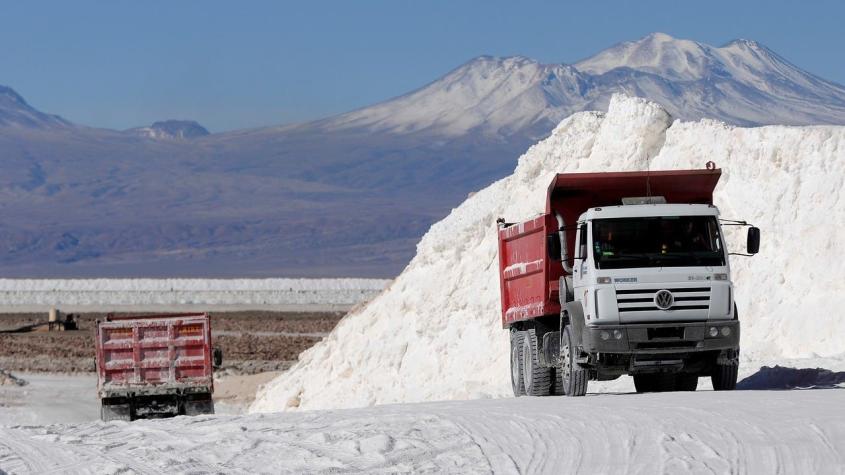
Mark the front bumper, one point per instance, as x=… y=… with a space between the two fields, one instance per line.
x=659 y=338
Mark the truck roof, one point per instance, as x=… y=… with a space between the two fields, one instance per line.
x=590 y=190
x=631 y=211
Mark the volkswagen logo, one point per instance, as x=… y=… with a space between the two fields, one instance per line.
x=664 y=299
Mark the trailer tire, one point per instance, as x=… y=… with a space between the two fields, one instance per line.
x=724 y=377
x=537 y=379
x=517 y=382
x=573 y=378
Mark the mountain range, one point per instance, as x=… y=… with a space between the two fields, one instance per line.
x=348 y=195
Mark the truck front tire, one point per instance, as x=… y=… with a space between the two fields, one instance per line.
x=516 y=364
x=724 y=377
x=573 y=378
x=537 y=379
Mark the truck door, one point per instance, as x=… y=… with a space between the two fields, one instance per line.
x=581 y=268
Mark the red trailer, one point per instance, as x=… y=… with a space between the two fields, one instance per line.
x=155 y=365
x=624 y=273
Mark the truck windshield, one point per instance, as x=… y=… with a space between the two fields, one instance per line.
x=661 y=241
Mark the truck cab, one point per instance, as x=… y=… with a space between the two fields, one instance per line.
x=653 y=284
x=634 y=285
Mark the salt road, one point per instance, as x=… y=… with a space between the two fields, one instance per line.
x=799 y=431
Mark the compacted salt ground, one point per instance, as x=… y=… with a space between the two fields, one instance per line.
x=798 y=431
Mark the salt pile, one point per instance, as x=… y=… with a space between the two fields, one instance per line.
x=435 y=333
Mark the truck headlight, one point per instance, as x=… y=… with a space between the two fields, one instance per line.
x=605 y=335
x=714 y=332
x=617 y=334
x=603 y=280
x=726 y=331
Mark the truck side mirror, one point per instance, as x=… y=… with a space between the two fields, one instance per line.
x=753 y=243
x=553 y=245
x=217 y=357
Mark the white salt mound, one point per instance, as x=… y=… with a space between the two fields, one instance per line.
x=435 y=333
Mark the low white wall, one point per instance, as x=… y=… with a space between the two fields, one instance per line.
x=21 y=295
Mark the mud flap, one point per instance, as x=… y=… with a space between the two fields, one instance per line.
x=576 y=320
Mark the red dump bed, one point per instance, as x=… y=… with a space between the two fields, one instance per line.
x=529 y=277
x=154 y=354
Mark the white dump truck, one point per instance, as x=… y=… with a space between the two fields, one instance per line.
x=625 y=273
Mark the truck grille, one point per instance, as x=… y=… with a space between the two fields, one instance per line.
x=642 y=300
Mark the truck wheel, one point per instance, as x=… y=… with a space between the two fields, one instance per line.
x=557 y=382
x=517 y=383
x=115 y=412
x=538 y=380
x=686 y=382
x=573 y=378
x=199 y=404
x=724 y=377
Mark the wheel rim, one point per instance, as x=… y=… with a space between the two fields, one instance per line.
x=566 y=364
x=527 y=372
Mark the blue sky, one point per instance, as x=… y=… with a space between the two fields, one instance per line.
x=231 y=65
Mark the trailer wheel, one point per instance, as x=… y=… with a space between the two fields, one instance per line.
x=724 y=377
x=517 y=382
x=573 y=378
x=537 y=379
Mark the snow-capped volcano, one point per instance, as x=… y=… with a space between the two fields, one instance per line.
x=741 y=83
x=488 y=94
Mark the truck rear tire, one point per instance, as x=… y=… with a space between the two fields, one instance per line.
x=537 y=379
x=557 y=382
x=517 y=383
x=724 y=377
x=573 y=378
